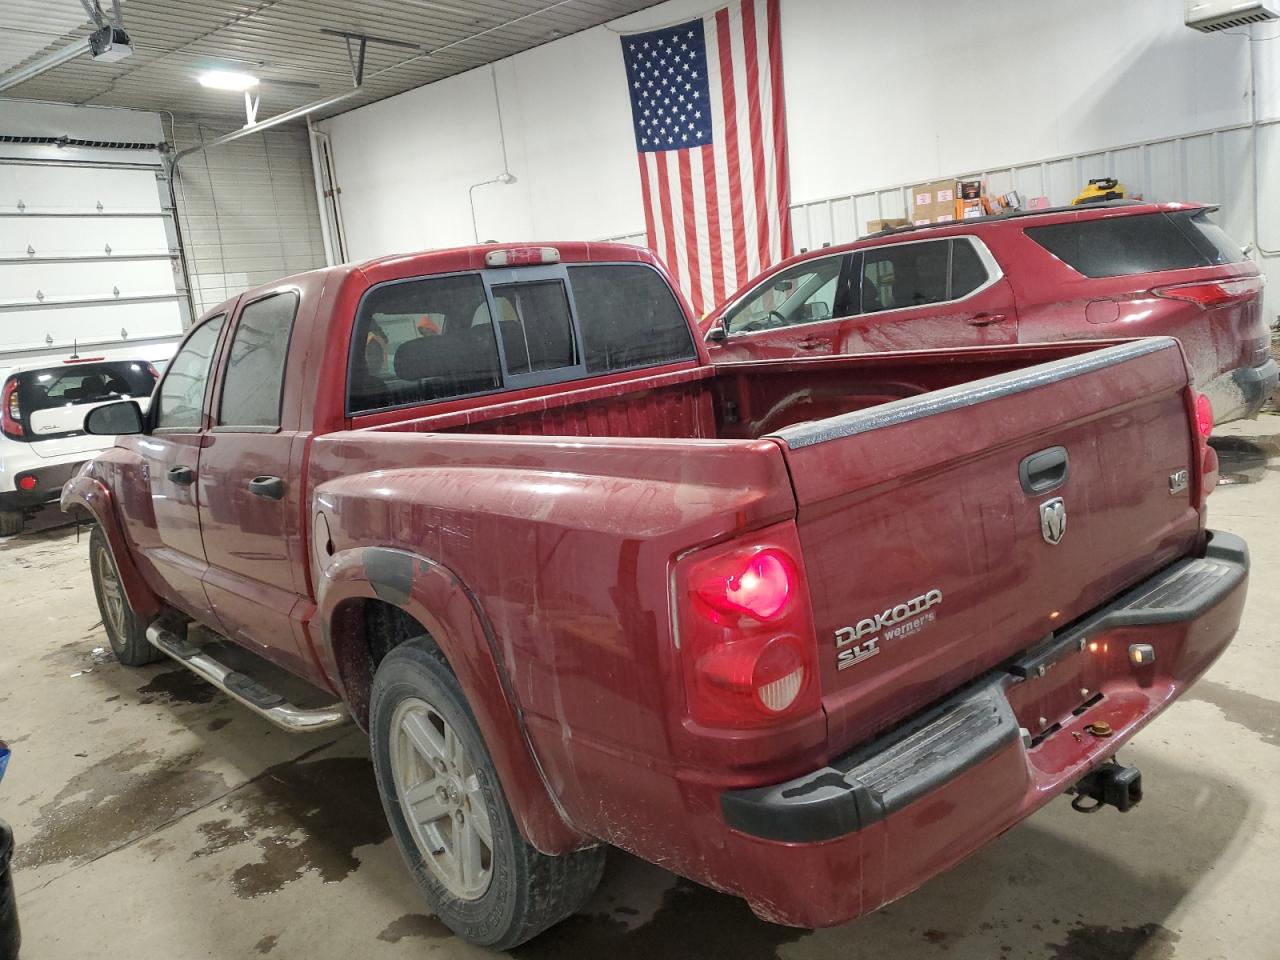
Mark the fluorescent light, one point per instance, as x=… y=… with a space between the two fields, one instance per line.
x=228 y=80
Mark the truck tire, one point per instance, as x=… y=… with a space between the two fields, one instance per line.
x=125 y=632
x=10 y=522
x=450 y=817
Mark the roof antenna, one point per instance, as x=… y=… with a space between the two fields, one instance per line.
x=75 y=351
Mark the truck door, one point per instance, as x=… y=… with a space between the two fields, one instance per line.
x=928 y=294
x=250 y=506
x=167 y=523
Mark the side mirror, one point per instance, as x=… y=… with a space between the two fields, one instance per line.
x=717 y=332
x=123 y=416
x=815 y=311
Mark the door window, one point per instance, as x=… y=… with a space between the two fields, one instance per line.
x=904 y=275
x=251 y=389
x=181 y=397
x=805 y=293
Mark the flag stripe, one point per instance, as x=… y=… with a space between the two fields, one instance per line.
x=668 y=227
x=783 y=198
x=750 y=45
x=648 y=200
x=715 y=244
x=731 y=146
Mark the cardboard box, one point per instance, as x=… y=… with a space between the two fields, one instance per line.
x=969 y=209
x=1038 y=203
x=933 y=202
x=889 y=223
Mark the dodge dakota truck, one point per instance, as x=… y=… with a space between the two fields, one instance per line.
x=808 y=631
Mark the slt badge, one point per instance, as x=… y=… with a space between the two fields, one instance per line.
x=897 y=621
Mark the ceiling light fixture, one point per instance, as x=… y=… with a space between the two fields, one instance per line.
x=234 y=80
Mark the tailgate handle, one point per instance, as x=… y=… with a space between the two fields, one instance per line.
x=1044 y=471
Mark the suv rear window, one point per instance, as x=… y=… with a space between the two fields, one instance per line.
x=42 y=393
x=1119 y=246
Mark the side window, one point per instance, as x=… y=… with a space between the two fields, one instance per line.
x=535 y=326
x=805 y=293
x=421 y=340
x=181 y=396
x=1120 y=245
x=904 y=275
x=628 y=317
x=251 y=390
x=968 y=272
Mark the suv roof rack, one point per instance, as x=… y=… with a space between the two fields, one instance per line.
x=1010 y=215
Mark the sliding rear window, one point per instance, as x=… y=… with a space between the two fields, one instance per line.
x=1144 y=243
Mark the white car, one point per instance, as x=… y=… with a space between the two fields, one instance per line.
x=42 y=440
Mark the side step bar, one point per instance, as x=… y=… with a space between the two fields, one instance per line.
x=254 y=695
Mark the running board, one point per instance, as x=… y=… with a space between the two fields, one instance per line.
x=256 y=696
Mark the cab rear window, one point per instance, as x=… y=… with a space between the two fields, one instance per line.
x=1120 y=246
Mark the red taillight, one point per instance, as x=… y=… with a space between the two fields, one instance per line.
x=151 y=369
x=1212 y=293
x=27 y=482
x=1204 y=416
x=745 y=633
x=10 y=412
x=754 y=584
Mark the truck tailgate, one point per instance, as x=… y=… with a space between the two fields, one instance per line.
x=926 y=552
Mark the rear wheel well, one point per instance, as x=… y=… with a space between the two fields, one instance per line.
x=363 y=631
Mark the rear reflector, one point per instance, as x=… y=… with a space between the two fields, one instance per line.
x=1211 y=293
x=1204 y=415
x=27 y=482
x=521 y=256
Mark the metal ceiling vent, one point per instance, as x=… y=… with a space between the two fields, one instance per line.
x=1210 y=16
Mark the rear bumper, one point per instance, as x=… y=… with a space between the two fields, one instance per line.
x=1242 y=392
x=48 y=488
x=877 y=823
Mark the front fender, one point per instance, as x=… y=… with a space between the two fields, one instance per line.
x=434 y=597
x=91 y=495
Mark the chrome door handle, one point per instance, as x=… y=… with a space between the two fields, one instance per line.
x=811 y=344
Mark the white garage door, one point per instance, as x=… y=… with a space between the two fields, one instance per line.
x=87 y=256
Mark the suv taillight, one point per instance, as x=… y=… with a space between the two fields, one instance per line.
x=1204 y=416
x=10 y=412
x=746 y=633
x=1212 y=293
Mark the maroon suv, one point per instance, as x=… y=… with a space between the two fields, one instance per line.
x=1119 y=269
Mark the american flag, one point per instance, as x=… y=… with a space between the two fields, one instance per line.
x=706 y=103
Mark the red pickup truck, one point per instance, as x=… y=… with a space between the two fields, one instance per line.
x=809 y=631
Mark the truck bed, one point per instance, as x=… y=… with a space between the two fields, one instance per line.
x=736 y=401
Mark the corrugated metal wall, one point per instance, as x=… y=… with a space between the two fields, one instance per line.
x=247 y=209
x=1215 y=166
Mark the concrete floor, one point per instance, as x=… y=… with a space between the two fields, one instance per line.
x=157 y=819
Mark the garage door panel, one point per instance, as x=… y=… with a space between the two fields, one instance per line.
x=24 y=282
x=77 y=189
x=56 y=328
x=59 y=237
